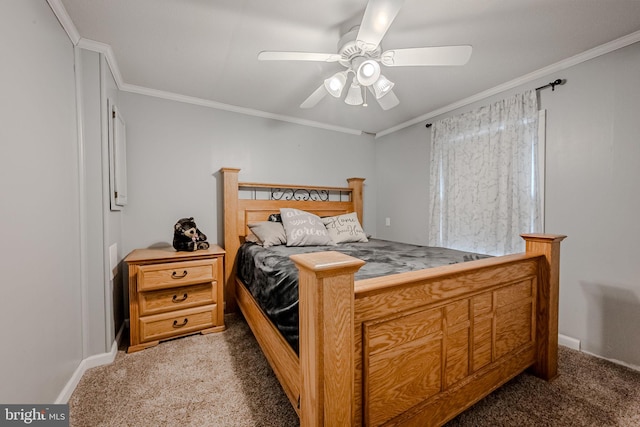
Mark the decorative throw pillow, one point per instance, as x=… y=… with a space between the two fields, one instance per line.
x=269 y=232
x=253 y=239
x=304 y=228
x=345 y=228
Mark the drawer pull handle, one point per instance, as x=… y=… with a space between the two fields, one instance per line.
x=175 y=276
x=175 y=298
x=176 y=325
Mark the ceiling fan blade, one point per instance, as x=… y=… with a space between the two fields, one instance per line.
x=314 y=98
x=388 y=101
x=298 y=56
x=377 y=19
x=442 y=55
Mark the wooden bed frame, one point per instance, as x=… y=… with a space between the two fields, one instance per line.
x=410 y=349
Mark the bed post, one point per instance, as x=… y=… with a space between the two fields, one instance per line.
x=231 y=240
x=356 y=185
x=326 y=296
x=546 y=365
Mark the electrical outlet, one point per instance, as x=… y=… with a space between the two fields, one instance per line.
x=387 y=222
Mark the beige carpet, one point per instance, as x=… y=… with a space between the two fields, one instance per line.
x=223 y=380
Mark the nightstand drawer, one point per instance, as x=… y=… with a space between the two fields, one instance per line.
x=161 y=326
x=153 y=302
x=159 y=276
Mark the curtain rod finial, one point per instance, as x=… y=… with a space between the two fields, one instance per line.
x=556 y=83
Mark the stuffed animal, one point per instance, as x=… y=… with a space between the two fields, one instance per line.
x=187 y=237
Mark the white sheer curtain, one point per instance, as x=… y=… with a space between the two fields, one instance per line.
x=484 y=177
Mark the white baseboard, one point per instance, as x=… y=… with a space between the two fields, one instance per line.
x=86 y=364
x=570 y=342
x=617 y=362
x=574 y=344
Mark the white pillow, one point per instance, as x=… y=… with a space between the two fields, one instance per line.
x=345 y=228
x=304 y=228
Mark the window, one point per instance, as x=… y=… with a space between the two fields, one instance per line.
x=484 y=181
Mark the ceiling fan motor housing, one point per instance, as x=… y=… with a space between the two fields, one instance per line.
x=349 y=50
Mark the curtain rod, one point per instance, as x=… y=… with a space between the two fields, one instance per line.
x=552 y=85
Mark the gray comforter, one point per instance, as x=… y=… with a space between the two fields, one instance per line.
x=272 y=277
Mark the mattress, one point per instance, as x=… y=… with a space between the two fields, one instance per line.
x=272 y=278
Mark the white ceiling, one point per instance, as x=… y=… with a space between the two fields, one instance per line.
x=207 y=49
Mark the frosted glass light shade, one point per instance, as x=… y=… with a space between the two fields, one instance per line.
x=335 y=84
x=354 y=96
x=368 y=72
x=387 y=102
x=382 y=86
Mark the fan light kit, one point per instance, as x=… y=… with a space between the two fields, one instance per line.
x=360 y=53
x=354 y=96
x=335 y=83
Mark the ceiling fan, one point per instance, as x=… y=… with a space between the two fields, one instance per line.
x=360 y=53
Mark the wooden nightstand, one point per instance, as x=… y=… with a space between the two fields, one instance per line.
x=172 y=294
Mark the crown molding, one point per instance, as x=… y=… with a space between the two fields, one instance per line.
x=107 y=51
x=527 y=78
x=65 y=20
x=233 y=108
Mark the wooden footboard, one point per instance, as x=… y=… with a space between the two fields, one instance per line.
x=428 y=344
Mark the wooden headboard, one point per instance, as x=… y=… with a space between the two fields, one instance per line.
x=249 y=202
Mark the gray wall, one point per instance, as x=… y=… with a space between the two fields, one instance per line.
x=115 y=275
x=175 y=151
x=593 y=150
x=41 y=305
x=104 y=294
x=61 y=299
x=401 y=176
x=592 y=173
x=93 y=249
